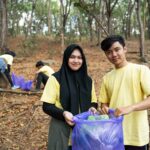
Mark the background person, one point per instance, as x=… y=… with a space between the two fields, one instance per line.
x=67 y=93
x=42 y=75
x=6 y=61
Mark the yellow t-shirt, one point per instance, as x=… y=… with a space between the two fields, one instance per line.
x=51 y=92
x=123 y=87
x=8 y=58
x=46 y=70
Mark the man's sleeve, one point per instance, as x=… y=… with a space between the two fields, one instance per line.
x=145 y=80
x=103 y=96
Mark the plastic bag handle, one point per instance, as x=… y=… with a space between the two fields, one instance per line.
x=110 y=111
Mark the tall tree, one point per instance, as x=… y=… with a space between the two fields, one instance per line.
x=86 y=7
x=65 y=10
x=142 y=38
x=148 y=1
x=0 y=20
x=131 y=5
x=31 y=17
x=110 y=7
x=4 y=23
x=49 y=17
x=101 y=14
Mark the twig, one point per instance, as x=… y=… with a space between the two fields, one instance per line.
x=19 y=92
x=12 y=105
x=25 y=130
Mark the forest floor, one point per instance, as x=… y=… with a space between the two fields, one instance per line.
x=23 y=125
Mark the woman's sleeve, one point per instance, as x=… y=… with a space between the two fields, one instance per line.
x=53 y=111
x=49 y=98
x=50 y=91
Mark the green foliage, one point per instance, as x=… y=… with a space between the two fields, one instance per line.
x=87 y=7
x=20 y=7
x=83 y=11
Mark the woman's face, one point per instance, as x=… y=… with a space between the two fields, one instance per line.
x=75 y=60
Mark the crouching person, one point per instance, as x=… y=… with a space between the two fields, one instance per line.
x=42 y=75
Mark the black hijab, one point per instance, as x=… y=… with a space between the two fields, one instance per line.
x=75 y=86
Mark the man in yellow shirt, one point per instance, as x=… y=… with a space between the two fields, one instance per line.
x=127 y=90
x=42 y=75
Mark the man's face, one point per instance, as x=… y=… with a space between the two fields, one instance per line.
x=116 y=55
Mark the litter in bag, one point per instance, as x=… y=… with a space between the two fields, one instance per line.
x=98 y=117
x=103 y=134
x=20 y=81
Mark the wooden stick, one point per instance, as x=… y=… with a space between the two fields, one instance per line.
x=18 y=91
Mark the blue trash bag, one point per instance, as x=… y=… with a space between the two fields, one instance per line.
x=20 y=81
x=27 y=85
x=97 y=134
x=15 y=79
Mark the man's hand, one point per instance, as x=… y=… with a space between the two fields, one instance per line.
x=103 y=109
x=123 y=110
x=68 y=117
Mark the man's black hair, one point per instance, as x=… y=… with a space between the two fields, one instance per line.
x=110 y=40
x=10 y=53
x=39 y=63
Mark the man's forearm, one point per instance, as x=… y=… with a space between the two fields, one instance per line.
x=145 y=104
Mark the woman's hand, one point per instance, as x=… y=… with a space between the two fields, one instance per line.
x=68 y=117
x=93 y=110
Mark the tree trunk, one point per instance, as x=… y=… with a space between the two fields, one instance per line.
x=62 y=30
x=101 y=14
x=130 y=10
x=0 y=22
x=80 y=28
x=123 y=31
x=110 y=7
x=65 y=10
x=49 y=17
x=4 y=23
x=29 y=30
x=148 y=1
x=82 y=4
x=141 y=30
x=90 y=19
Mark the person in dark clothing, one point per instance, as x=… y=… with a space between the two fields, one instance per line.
x=68 y=92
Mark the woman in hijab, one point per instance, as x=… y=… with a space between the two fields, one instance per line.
x=68 y=92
